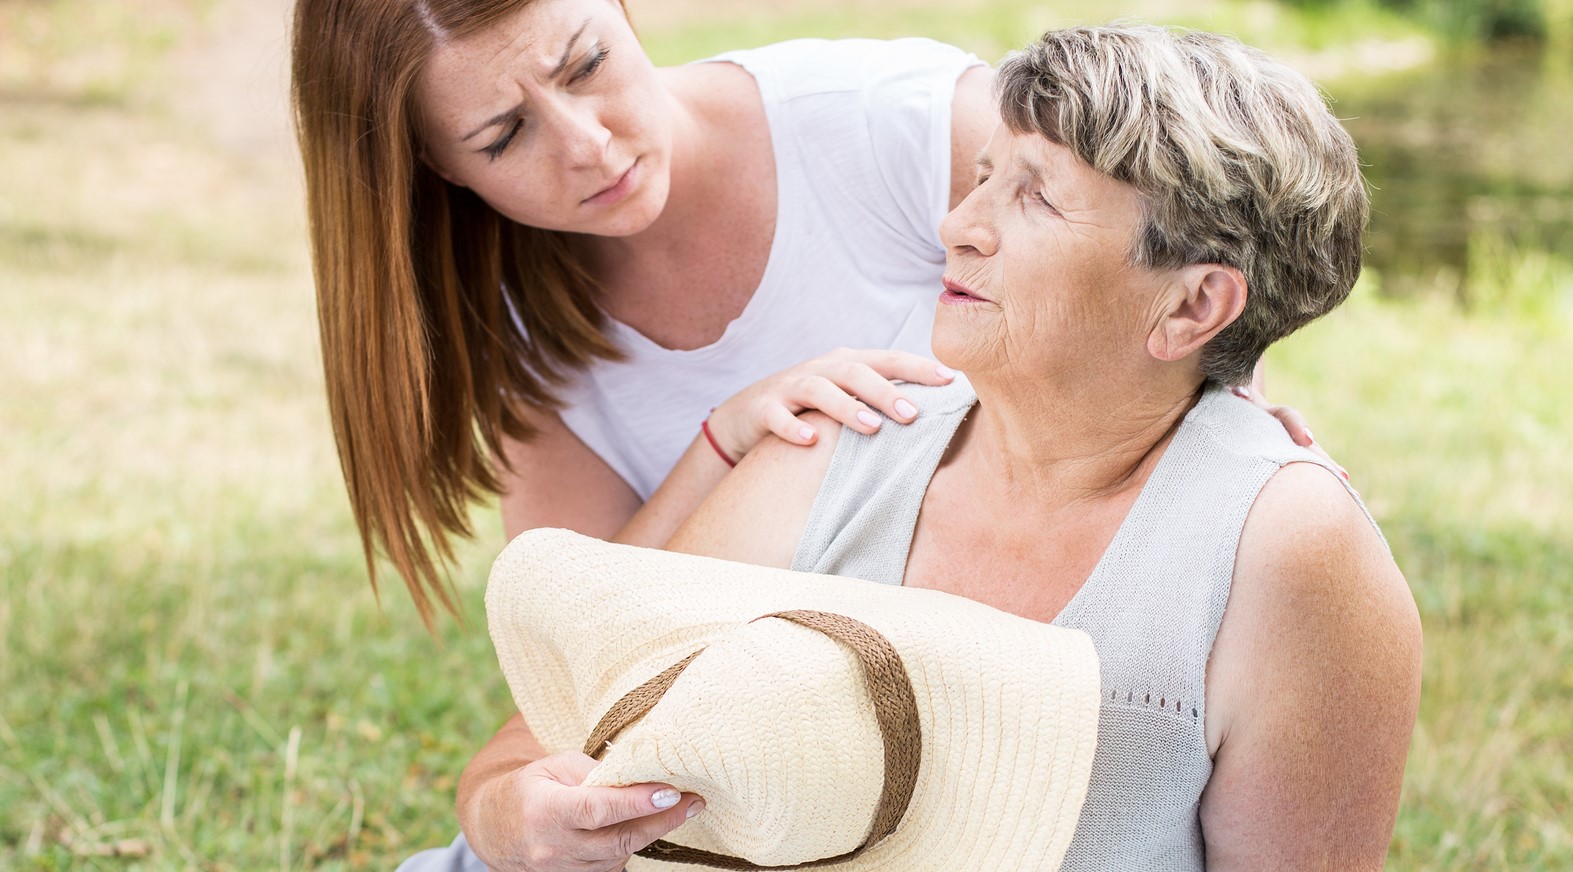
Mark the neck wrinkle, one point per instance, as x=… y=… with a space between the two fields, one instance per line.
x=1059 y=448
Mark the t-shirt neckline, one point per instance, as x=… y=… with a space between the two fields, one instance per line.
x=640 y=345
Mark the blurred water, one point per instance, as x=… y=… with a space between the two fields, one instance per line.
x=1469 y=155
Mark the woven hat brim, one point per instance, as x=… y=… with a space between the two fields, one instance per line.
x=1008 y=706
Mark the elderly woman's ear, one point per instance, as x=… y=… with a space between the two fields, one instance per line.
x=1202 y=300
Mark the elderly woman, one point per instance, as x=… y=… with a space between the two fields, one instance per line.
x=1155 y=210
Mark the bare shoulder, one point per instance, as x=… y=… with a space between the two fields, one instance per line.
x=973 y=117
x=726 y=93
x=1315 y=591
x=1307 y=541
x=1313 y=685
x=758 y=512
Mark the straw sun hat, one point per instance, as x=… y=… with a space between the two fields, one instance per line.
x=820 y=718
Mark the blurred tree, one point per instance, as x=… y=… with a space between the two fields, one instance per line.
x=1473 y=20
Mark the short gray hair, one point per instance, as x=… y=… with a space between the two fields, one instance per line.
x=1237 y=157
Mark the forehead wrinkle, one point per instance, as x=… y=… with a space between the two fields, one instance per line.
x=524 y=35
x=562 y=63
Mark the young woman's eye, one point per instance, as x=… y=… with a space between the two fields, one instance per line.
x=496 y=149
x=593 y=63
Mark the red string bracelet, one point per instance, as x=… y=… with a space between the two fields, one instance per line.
x=704 y=427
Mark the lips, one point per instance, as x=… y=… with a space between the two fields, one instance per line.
x=614 y=190
x=961 y=290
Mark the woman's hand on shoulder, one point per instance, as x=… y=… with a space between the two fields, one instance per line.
x=540 y=818
x=846 y=384
x=1294 y=422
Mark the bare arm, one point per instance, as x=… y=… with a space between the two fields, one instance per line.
x=973 y=117
x=1312 y=688
x=758 y=513
x=557 y=481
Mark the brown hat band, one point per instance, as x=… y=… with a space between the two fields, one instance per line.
x=895 y=709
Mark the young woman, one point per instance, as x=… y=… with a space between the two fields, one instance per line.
x=541 y=262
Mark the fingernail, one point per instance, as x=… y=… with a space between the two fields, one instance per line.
x=944 y=371
x=868 y=418
x=806 y=434
x=1308 y=437
x=666 y=797
x=1243 y=393
x=694 y=808
x=1343 y=472
x=905 y=409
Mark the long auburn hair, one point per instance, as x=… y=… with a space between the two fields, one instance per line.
x=441 y=320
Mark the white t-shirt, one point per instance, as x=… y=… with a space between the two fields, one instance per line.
x=861 y=134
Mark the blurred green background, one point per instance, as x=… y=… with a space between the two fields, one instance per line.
x=194 y=672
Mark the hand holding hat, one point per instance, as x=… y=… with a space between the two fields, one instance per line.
x=529 y=811
x=826 y=721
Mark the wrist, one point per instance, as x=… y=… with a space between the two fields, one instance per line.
x=473 y=794
x=715 y=443
x=478 y=804
x=724 y=422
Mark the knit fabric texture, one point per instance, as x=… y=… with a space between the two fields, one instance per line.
x=1152 y=604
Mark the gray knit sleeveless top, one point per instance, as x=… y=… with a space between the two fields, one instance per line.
x=1152 y=605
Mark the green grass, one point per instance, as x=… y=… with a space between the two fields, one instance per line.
x=194 y=672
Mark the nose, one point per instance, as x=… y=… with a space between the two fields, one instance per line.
x=968 y=228
x=583 y=138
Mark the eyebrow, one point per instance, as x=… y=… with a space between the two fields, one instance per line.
x=1038 y=172
x=982 y=162
x=562 y=64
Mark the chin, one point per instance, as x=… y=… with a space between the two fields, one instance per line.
x=956 y=343
x=636 y=219
x=636 y=214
